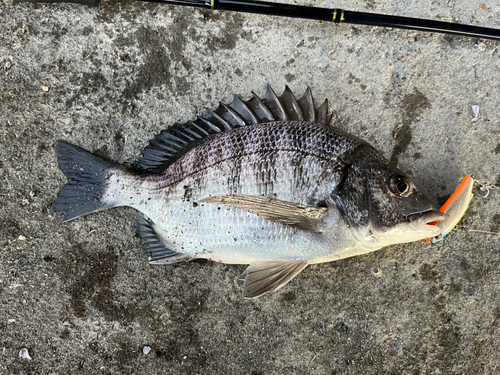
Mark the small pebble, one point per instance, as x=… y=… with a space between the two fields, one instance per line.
x=120 y=140
x=21 y=238
x=481 y=46
x=146 y=350
x=24 y=354
x=12 y=320
x=475 y=113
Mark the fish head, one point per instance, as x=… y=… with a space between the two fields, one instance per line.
x=383 y=206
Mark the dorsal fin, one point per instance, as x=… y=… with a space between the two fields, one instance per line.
x=171 y=144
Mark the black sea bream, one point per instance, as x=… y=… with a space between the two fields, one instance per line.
x=267 y=182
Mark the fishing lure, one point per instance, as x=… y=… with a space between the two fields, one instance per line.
x=454 y=208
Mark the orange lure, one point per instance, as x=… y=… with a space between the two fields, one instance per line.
x=454 y=208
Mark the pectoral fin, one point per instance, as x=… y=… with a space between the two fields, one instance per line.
x=276 y=210
x=270 y=276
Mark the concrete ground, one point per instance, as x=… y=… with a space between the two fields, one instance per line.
x=81 y=297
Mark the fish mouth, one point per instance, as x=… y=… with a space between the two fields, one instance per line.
x=431 y=217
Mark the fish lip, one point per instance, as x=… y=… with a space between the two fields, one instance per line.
x=426 y=217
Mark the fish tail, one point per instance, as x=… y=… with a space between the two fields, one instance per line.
x=88 y=177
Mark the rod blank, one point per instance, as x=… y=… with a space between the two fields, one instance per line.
x=339 y=16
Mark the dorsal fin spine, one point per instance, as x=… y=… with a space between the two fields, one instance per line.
x=183 y=133
x=307 y=104
x=176 y=140
x=291 y=105
x=275 y=105
x=234 y=115
x=199 y=128
x=263 y=107
x=211 y=126
x=193 y=136
x=161 y=145
x=223 y=122
x=156 y=157
x=243 y=110
x=322 y=113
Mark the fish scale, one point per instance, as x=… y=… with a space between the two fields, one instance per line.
x=255 y=182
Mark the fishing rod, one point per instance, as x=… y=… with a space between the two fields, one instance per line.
x=323 y=14
x=339 y=16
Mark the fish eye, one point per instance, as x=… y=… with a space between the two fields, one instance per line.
x=400 y=186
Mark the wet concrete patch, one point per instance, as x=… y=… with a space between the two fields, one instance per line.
x=495 y=228
x=413 y=105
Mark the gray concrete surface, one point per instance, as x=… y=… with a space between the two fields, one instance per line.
x=83 y=298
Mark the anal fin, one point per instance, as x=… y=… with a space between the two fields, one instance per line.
x=154 y=247
x=270 y=276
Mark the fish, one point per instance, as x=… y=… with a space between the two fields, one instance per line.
x=266 y=182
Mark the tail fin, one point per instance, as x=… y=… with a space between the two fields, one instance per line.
x=87 y=179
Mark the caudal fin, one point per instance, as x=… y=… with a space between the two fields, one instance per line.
x=87 y=179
